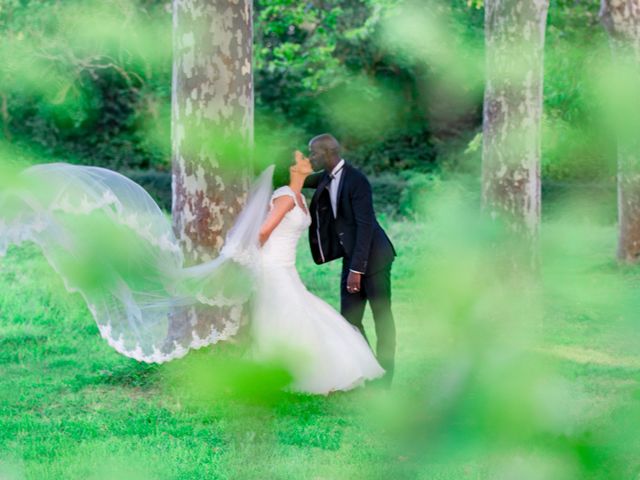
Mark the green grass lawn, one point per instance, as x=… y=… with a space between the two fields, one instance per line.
x=71 y=407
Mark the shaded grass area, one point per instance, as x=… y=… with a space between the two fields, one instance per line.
x=71 y=407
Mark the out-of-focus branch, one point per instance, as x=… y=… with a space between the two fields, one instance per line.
x=93 y=63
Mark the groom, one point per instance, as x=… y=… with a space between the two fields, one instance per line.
x=344 y=225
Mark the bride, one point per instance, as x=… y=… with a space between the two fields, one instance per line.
x=328 y=353
x=111 y=242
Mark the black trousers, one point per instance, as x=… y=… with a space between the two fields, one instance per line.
x=376 y=289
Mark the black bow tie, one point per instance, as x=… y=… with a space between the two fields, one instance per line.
x=332 y=175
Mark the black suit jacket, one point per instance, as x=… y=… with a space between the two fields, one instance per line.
x=354 y=234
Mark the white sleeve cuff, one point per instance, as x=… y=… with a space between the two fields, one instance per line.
x=354 y=271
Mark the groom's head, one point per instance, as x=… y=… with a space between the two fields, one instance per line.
x=324 y=152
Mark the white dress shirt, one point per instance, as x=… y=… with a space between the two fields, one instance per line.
x=336 y=173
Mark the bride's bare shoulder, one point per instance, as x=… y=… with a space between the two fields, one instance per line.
x=283 y=191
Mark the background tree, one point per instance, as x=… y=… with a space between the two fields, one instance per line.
x=90 y=82
x=212 y=116
x=515 y=33
x=621 y=19
x=211 y=133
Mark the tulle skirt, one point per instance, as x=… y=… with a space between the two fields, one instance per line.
x=323 y=352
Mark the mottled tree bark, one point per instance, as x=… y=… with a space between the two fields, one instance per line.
x=212 y=132
x=621 y=19
x=212 y=114
x=514 y=33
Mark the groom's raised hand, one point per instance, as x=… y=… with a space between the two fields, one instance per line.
x=353 y=282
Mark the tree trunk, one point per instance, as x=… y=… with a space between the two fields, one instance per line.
x=212 y=116
x=621 y=19
x=212 y=132
x=4 y=111
x=514 y=41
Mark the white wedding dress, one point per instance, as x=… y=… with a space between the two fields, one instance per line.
x=111 y=243
x=319 y=347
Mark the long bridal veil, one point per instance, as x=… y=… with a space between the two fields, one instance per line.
x=111 y=242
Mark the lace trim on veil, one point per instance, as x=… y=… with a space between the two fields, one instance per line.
x=154 y=322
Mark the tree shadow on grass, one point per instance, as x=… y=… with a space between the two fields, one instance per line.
x=129 y=374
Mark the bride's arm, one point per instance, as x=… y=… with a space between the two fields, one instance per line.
x=281 y=206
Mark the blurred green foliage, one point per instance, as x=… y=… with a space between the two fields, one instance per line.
x=90 y=83
x=87 y=82
x=504 y=374
x=577 y=143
